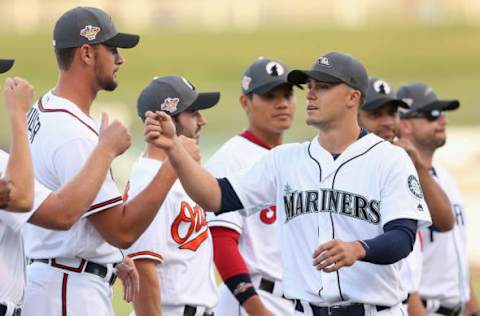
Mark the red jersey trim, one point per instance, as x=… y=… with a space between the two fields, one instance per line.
x=102 y=204
x=64 y=294
x=254 y=139
x=138 y=254
x=42 y=109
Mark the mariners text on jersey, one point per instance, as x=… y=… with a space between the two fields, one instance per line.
x=329 y=200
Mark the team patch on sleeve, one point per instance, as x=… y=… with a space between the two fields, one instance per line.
x=414 y=187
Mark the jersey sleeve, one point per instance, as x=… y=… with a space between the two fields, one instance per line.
x=232 y=220
x=16 y=220
x=256 y=186
x=401 y=195
x=69 y=158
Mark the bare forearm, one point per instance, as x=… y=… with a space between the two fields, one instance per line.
x=199 y=184
x=19 y=168
x=148 y=301
x=437 y=201
x=472 y=306
x=415 y=305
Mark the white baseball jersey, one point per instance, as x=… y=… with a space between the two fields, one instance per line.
x=179 y=240
x=319 y=199
x=411 y=270
x=62 y=138
x=12 y=257
x=258 y=240
x=445 y=274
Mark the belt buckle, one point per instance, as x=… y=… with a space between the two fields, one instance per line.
x=331 y=309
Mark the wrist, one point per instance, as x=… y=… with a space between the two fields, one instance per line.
x=359 y=249
x=106 y=151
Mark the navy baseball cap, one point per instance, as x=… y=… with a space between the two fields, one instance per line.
x=380 y=93
x=5 y=65
x=334 y=67
x=87 y=25
x=264 y=75
x=422 y=99
x=173 y=95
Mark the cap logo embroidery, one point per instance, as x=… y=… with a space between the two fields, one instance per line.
x=246 y=80
x=170 y=104
x=324 y=61
x=382 y=87
x=428 y=91
x=274 y=69
x=90 y=32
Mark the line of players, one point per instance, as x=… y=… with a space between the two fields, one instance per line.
x=76 y=218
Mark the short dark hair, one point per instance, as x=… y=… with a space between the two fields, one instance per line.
x=65 y=57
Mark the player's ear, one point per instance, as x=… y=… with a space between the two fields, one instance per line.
x=404 y=127
x=354 y=98
x=87 y=54
x=245 y=102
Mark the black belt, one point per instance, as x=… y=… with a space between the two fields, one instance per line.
x=355 y=309
x=3 y=310
x=268 y=286
x=192 y=310
x=447 y=311
x=90 y=267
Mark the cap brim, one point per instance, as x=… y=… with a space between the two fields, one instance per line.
x=204 y=101
x=123 y=40
x=302 y=76
x=378 y=103
x=443 y=105
x=6 y=65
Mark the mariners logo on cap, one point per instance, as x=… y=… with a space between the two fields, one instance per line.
x=170 y=104
x=414 y=187
x=324 y=61
x=246 y=82
x=382 y=87
x=275 y=69
x=90 y=32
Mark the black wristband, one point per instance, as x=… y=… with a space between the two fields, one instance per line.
x=241 y=287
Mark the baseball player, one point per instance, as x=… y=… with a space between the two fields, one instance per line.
x=72 y=270
x=50 y=209
x=380 y=115
x=174 y=256
x=348 y=203
x=443 y=292
x=245 y=248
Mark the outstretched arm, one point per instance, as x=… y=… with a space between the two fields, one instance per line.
x=66 y=206
x=199 y=184
x=18 y=95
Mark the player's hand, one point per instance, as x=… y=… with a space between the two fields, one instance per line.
x=18 y=94
x=191 y=147
x=128 y=274
x=113 y=136
x=160 y=130
x=335 y=254
x=5 y=188
x=411 y=151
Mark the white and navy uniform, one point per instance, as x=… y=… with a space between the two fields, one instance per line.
x=71 y=270
x=12 y=256
x=258 y=242
x=320 y=198
x=445 y=277
x=179 y=241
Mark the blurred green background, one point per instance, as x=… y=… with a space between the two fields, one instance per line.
x=444 y=55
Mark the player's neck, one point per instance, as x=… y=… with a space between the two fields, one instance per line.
x=266 y=137
x=427 y=156
x=155 y=153
x=78 y=91
x=336 y=139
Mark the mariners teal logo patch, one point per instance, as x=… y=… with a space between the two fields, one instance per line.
x=414 y=187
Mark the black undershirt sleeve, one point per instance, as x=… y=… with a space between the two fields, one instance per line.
x=230 y=201
x=394 y=244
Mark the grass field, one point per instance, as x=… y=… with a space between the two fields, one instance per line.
x=445 y=57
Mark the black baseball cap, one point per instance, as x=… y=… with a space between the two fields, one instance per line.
x=422 y=99
x=380 y=93
x=264 y=75
x=5 y=65
x=87 y=25
x=334 y=67
x=173 y=95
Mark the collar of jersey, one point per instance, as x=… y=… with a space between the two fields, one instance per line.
x=52 y=103
x=356 y=148
x=254 y=139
